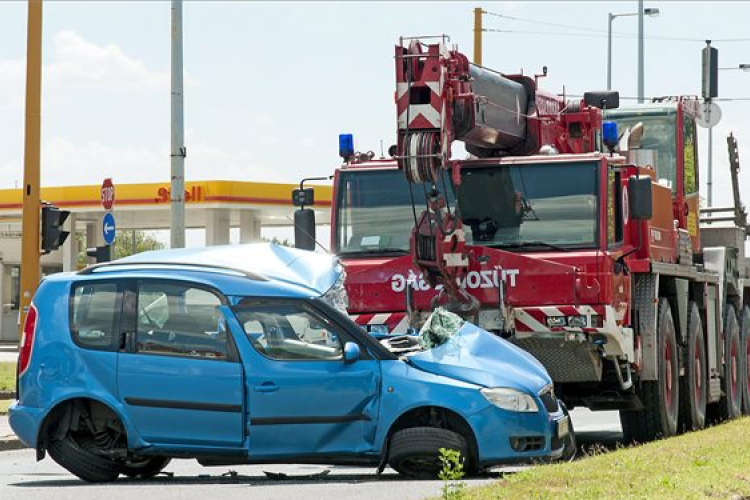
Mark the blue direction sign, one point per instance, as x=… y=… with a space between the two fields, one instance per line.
x=108 y=228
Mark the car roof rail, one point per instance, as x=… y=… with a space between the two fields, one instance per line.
x=192 y=265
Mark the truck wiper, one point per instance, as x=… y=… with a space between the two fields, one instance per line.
x=525 y=244
x=375 y=251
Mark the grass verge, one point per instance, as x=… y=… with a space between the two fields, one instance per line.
x=7 y=376
x=713 y=464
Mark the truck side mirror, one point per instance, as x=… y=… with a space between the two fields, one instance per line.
x=603 y=99
x=640 y=198
x=304 y=229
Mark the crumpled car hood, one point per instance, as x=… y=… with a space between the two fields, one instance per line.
x=476 y=356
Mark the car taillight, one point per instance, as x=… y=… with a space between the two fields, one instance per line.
x=27 y=340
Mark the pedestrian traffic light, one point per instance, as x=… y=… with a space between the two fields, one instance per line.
x=52 y=233
x=100 y=254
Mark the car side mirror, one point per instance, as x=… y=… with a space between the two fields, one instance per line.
x=352 y=352
x=640 y=198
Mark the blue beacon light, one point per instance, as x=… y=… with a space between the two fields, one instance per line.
x=346 y=145
x=610 y=137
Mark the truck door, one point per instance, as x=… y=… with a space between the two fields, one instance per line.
x=690 y=179
x=177 y=375
x=302 y=398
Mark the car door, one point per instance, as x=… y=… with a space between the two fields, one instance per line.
x=302 y=397
x=178 y=373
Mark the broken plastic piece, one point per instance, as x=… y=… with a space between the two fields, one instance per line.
x=439 y=327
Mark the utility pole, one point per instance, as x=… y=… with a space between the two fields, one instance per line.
x=30 y=248
x=640 y=52
x=177 y=148
x=478 y=36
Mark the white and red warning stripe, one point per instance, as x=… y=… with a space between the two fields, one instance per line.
x=534 y=319
x=396 y=322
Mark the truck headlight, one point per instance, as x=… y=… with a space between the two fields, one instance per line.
x=510 y=399
x=336 y=296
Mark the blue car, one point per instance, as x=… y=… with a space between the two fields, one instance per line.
x=243 y=354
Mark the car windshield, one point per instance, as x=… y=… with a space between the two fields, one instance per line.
x=374 y=211
x=537 y=206
x=658 y=135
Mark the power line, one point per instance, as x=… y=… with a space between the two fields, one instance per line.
x=587 y=31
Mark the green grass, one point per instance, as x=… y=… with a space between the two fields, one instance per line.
x=4 y=404
x=7 y=376
x=711 y=464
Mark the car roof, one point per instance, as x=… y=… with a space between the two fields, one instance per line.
x=262 y=269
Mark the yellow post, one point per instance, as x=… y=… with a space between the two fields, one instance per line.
x=478 y=36
x=30 y=251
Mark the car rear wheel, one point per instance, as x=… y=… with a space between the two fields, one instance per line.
x=81 y=462
x=144 y=468
x=415 y=452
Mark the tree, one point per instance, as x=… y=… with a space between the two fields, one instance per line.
x=134 y=241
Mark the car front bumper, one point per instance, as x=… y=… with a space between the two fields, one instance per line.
x=510 y=437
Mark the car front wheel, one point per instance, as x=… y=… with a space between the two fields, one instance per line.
x=415 y=452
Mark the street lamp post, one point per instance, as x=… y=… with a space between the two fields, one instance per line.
x=611 y=17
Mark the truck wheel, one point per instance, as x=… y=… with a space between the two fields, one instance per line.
x=693 y=396
x=660 y=397
x=82 y=462
x=745 y=355
x=730 y=404
x=415 y=452
x=145 y=468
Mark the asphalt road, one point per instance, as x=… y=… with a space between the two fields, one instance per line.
x=21 y=477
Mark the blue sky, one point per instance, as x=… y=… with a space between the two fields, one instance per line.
x=270 y=85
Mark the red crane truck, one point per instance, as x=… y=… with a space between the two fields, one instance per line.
x=596 y=261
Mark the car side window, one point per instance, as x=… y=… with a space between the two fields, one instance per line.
x=95 y=313
x=180 y=320
x=289 y=332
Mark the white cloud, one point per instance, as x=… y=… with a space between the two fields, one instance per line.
x=65 y=163
x=78 y=63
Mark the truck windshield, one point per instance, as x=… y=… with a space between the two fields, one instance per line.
x=659 y=134
x=374 y=211
x=537 y=206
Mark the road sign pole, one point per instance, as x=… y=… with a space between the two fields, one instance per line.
x=31 y=177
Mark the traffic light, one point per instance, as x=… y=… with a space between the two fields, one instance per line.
x=52 y=222
x=100 y=254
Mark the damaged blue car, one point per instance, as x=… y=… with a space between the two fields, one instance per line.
x=243 y=354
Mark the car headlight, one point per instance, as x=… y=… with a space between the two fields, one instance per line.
x=510 y=399
x=336 y=296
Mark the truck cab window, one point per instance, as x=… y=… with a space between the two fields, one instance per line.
x=689 y=155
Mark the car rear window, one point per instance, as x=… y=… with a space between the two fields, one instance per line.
x=95 y=315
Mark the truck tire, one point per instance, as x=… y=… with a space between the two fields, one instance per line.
x=81 y=462
x=146 y=468
x=730 y=404
x=693 y=385
x=660 y=397
x=415 y=452
x=745 y=355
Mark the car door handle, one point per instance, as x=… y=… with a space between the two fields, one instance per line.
x=266 y=387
